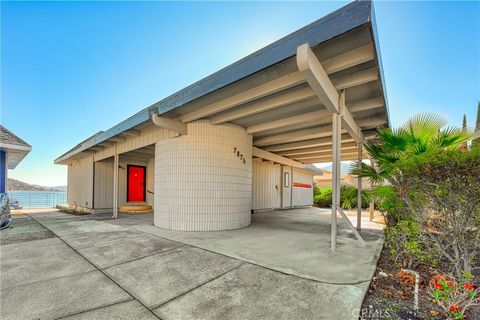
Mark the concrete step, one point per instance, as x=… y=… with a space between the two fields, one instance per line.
x=135 y=208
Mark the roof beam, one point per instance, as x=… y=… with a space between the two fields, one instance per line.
x=260 y=91
x=343 y=61
x=132 y=132
x=313 y=150
x=297 y=135
x=305 y=134
x=355 y=79
x=170 y=124
x=347 y=120
x=305 y=144
x=317 y=78
x=326 y=91
x=265 y=105
x=349 y=59
x=97 y=148
x=143 y=151
x=367 y=104
x=329 y=159
x=107 y=144
x=312 y=143
x=306 y=118
x=325 y=154
x=118 y=139
x=259 y=153
x=317 y=116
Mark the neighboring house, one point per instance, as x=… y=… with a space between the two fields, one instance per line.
x=243 y=138
x=325 y=180
x=12 y=151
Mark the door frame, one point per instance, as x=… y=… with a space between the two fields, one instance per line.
x=144 y=181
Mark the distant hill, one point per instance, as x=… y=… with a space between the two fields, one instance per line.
x=16 y=185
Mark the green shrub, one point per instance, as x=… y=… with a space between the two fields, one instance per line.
x=388 y=201
x=323 y=198
x=443 y=189
x=406 y=245
x=348 y=197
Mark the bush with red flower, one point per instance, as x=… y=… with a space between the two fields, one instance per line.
x=456 y=297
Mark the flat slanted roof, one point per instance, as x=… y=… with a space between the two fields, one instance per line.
x=265 y=92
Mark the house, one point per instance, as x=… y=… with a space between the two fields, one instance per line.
x=12 y=151
x=243 y=138
x=326 y=179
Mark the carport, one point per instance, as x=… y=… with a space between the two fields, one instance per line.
x=316 y=95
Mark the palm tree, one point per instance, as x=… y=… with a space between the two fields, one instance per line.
x=421 y=133
x=476 y=141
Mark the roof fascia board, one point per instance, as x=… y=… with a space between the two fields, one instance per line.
x=14 y=147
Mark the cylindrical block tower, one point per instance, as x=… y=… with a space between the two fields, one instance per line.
x=203 y=180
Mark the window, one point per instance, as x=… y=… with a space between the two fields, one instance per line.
x=286 y=179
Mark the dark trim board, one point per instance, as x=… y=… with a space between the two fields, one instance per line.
x=144 y=181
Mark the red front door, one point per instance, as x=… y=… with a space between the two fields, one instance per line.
x=135 y=183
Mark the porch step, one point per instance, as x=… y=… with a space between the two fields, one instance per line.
x=135 y=208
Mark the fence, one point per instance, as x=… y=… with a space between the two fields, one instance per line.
x=35 y=199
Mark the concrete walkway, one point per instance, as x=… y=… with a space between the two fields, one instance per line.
x=60 y=266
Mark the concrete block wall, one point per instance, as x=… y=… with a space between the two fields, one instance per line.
x=203 y=180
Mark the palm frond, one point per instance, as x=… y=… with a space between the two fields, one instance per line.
x=363 y=170
x=424 y=126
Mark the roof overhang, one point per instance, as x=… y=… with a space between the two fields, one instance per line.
x=15 y=153
x=275 y=97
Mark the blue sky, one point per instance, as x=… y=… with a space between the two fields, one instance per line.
x=70 y=69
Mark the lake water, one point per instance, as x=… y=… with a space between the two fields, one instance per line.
x=37 y=199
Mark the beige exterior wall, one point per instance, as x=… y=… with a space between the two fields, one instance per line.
x=302 y=195
x=201 y=184
x=266 y=185
x=103 y=188
x=86 y=191
x=80 y=183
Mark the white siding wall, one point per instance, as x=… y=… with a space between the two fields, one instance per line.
x=80 y=182
x=302 y=196
x=266 y=185
x=200 y=183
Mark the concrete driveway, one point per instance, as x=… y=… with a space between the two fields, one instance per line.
x=60 y=266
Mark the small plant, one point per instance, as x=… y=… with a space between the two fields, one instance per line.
x=406 y=246
x=456 y=297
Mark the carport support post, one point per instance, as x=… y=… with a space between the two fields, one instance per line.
x=336 y=158
x=359 y=189
x=115 y=183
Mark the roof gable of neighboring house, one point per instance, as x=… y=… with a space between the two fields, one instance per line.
x=8 y=137
x=15 y=147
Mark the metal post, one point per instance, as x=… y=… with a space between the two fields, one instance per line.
x=336 y=158
x=115 y=183
x=359 y=190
